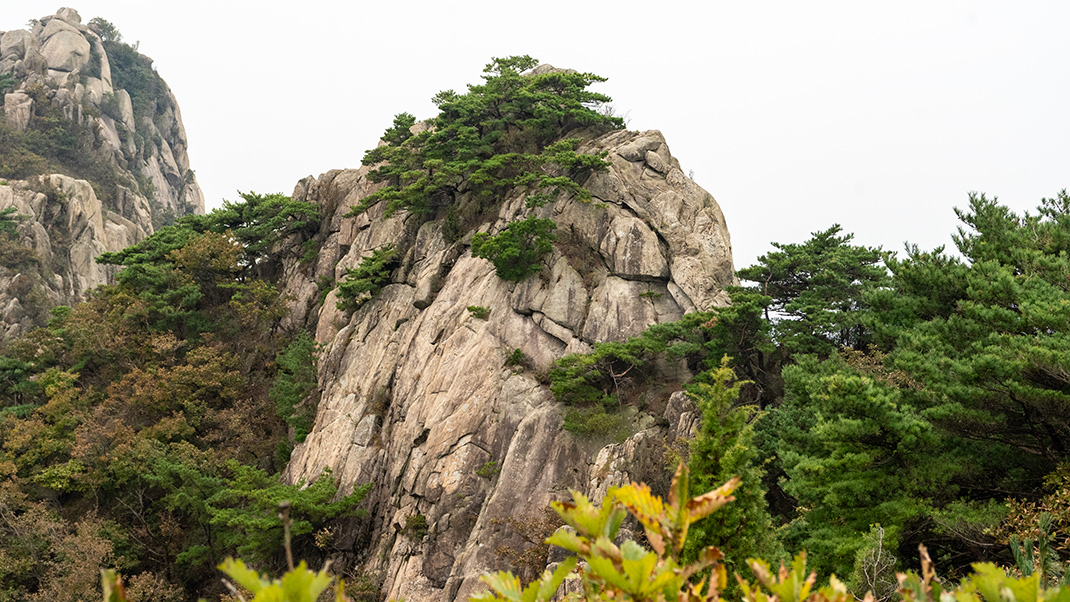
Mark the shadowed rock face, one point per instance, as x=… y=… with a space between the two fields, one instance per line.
x=416 y=396
x=62 y=219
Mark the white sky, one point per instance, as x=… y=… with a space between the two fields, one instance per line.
x=794 y=115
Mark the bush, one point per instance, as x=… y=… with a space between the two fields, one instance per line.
x=294 y=385
x=489 y=470
x=361 y=284
x=595 y=422
x=479 y=312
x=517 y=251
x=517 y=358
x=415 y=526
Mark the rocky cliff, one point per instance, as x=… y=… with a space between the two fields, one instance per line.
x=93 y=158
x=417 y=393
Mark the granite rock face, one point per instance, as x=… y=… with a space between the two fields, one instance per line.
x=141 y=177
x=68 y=61
x=416 y=396
x=63 y=222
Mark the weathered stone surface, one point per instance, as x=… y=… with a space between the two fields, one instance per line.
x=65 y=49
x=416 y=394
x=69 y=15
x=67 y=228
x=15 y=43
x=624 y=308
x=18 y=106
x=633 y=251
x=32 y=63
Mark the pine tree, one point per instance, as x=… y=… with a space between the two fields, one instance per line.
x=723 y=448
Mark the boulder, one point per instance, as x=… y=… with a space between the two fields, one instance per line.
x=18 y=107
x=69 y=15
x=65 y=50
x=16 y=43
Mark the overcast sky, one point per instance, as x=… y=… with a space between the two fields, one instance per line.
x=795 y=115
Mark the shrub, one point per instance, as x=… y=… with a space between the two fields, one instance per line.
x=497 y=136
x=517 y=358
x=362 y=283
x=489 y=469
x=415 y=526
x=294 y=385
x=595 y=422
x=517 y=251
x=479 y=312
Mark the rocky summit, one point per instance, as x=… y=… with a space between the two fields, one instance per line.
x=416 y=392
x=94 y=160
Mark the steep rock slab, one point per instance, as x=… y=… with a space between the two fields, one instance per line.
x=417 y=395
x=64 y=224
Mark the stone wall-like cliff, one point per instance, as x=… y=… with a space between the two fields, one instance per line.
x=415 y=394
x=88 y=165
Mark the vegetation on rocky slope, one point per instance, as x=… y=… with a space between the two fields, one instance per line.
x=925 y=405
x=858 y=404
x=136 y=430
x=513 y=134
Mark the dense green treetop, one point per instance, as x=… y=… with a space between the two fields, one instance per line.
x=817 y=291
x=514 y=132
x=497 y=136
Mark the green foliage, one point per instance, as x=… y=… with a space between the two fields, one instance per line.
x=362 y=283
x=489 y=469
x=258 y=223
x=133 y=72
x=855 y=454
x=51 y=143
x=107 y=31
x=14 y=254
x=310 y=250
x=261 y=222
x=498 y=136
x=721 y=449
x=817 y=291
x=517 y=358
x=598 y=423
x=300 y=584
x=1044 y=561
x=627 y=571
x=743 y=332
x=986 y=582
x=294 y=385
x=139 y=422
x=987 y=338
x=517 y=251
x=245 y=509
x=479 y=312
x=415 y=526
x=7 y=81
x=186 y=273
x=592 y=378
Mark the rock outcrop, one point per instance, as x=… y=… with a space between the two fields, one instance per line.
x=65 y=225
x=128 y=173
x=416 y=394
